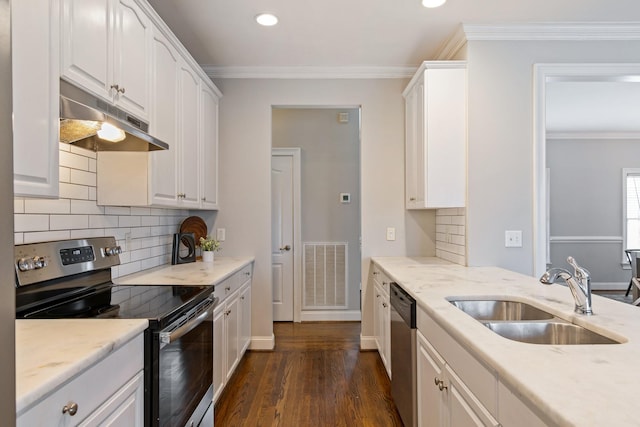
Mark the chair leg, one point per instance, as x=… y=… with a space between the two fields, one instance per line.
x=629 y=288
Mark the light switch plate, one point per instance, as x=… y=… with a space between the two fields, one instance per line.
x=391 y=233
x=513 y=239
x=221 y=234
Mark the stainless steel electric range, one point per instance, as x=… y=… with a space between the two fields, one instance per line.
x=72 y=279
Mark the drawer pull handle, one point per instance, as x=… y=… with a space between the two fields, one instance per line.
x=227 y=288
x=439 y=383
x=71 y=408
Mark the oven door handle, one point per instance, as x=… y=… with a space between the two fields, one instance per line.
x=169 y=337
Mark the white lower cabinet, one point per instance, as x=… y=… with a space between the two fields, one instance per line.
x=231 y=326
x=382 y=317
x=109 y=393
x=454 y=388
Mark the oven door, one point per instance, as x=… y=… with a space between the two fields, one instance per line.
x=183 y=371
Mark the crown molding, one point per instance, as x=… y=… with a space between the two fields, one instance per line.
x=567 y=31
x=309 y=72
x=453 y=45
x=603 y=135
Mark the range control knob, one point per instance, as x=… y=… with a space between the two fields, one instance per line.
x=115 y=250
x=28 y=264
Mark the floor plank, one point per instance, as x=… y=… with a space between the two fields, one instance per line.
x=316 y=376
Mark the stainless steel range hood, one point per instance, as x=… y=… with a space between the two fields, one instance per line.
x=83 y=115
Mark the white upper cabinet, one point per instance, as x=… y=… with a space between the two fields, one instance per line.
x=35 y=51
x=436 y=134
x=188 y=126
x=106 y=51
x=164 y=125
x=209 y=140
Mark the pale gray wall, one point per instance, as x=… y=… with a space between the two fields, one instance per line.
x=500 y=142
x=330 y=165
x=586 y=200
x=245 y=170
x=7 y=274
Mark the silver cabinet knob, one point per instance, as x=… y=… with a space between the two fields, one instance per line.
x=70 y=408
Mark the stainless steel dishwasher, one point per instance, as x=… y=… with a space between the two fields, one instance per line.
x=403 y=354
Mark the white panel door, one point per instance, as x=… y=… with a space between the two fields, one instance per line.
x=282 y=236
x=87 y=44
x=164 y=92
x=132 y=59
x=188 y=129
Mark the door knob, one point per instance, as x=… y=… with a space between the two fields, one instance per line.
x=286 y=248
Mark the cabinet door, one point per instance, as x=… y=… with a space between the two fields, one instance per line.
x=430 y=400
x=87 y=45
x=231 y=334
x=245 y=317
x=219 y=350
x=209 y=143
x=415 y=147
x=124 y=408
x=377 y=318
x=163 y=178
x=386 y=332
x=188 y=121
x=35 y=62
x=132 y=58
x=465 y=410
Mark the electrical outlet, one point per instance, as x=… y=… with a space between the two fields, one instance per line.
x=513 y=239
x=127 y=241
x=221 y=234
x=391 y=233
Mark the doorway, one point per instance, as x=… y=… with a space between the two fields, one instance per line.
x=611 y=239
x=326 y=258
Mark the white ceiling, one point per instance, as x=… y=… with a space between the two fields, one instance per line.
x=355 y=33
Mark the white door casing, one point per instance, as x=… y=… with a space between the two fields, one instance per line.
x=285 y=235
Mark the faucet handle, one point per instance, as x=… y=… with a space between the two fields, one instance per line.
x=578 y=271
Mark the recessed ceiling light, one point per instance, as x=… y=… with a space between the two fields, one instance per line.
x=267 y=19
x=433 y=3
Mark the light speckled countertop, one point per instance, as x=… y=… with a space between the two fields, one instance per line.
x=195 y=273
x=50 y=352
x=592 y=385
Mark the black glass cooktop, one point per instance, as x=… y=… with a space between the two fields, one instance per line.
x=159 y=304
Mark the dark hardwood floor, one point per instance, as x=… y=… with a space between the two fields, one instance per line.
x=316 y=376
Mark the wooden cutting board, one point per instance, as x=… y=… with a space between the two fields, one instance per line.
x=195 y=225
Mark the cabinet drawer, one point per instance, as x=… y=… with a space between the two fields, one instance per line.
x=245 y=274
x=232 y=283
x=481 y=380
x=89 y=389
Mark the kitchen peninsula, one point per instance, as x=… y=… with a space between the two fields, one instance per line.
x=519 y=383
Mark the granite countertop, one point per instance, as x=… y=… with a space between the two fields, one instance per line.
x=582 y=385
x=50 y=352
x=195 y=273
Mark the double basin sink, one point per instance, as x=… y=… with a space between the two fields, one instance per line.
x=523 y=322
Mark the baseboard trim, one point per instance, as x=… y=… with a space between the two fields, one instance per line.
x=263 y=343
x=609 y=286
x=331 y=316
x=368 y=343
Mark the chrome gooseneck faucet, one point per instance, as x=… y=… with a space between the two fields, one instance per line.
x=579 y=283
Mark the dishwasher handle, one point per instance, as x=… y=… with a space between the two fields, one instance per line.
x=404 y=304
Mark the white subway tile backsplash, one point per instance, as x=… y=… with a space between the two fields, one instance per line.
x=140 y=211
x=103 y=221
x=74 y=191
x=18 y=238
x=64 y=174
x=51 y=206
x=18 y=205
x=129 y=268
x=118 y=233
x=139 y=232
x=82 y=151
x=68 y=222
x=129 y=221
x=45 y=236
x=450 y=235
x=86 y=207
x=149 y=221
x=93 y=194
x=93 y=165
x=117 y=210
x=91 y=232
x=74 y=161
x=29 y=222
x=82 y=177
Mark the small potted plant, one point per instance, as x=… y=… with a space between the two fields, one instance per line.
x=208 y=245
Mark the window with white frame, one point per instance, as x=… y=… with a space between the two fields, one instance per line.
x=631 y=208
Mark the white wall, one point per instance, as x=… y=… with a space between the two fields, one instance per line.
x=245 y=157
x=500 y=144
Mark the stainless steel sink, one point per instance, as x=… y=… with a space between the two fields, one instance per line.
x=502 y=310
x=550 y=333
